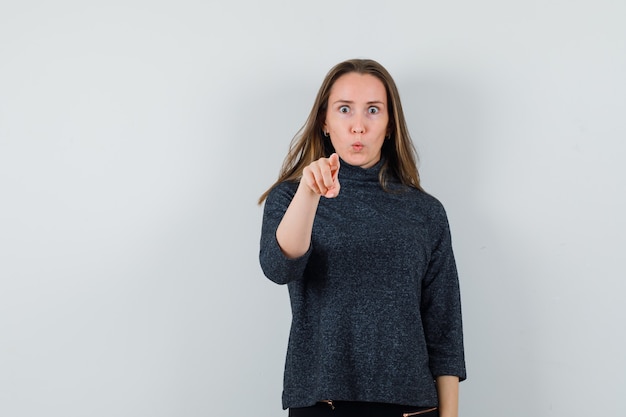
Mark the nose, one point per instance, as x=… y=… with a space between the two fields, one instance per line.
x=358 y=126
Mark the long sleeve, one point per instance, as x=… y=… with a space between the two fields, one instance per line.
x=275 y=265
x=441 y=306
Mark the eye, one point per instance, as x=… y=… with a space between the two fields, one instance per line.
x=344 y=109
x=373 y=110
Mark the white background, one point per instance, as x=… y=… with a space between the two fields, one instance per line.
x=135 y=138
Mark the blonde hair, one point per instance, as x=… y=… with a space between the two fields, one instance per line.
x=309 y=144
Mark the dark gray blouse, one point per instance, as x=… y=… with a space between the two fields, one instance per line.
x=375 y=300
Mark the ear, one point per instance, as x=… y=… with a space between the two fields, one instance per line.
x=389 y=129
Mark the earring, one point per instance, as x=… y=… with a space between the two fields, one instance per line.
x=326 y=134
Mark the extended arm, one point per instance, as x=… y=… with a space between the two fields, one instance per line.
x=294 y=231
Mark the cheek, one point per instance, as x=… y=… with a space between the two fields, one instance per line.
x=384 y=126
x=334 y=125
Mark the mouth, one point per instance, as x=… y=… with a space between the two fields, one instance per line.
x=357 y=146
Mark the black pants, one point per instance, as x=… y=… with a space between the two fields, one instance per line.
x=362 y=409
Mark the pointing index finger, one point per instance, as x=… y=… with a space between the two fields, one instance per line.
x=333 y=161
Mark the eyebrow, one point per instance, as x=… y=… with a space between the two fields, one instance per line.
x=352 y=102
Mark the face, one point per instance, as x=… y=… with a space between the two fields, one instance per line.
x=357 y=118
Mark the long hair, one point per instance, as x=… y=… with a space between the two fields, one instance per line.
x=309 y=144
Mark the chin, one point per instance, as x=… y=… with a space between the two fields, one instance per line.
x=350 y=159
x=360 y=162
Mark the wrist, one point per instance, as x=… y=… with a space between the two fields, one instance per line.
x=306 y=192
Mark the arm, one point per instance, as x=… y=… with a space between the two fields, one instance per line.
x=288 y=218
x=448 y=393
x=275 y=264
x=294 y=231
x=441 y=317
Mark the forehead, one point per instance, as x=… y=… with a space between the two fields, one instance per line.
x=358 y=87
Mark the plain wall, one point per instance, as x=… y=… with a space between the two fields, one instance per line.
x=136 y=137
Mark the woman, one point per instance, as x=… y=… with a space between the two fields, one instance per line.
x=367 y=256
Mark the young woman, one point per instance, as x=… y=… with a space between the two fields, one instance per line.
x=367 y=257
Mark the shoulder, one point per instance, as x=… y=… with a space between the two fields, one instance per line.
x=434 y=204
x=424 y=201
x=282 y=193
x=430 y=210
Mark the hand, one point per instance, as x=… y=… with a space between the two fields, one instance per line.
x=321 y=176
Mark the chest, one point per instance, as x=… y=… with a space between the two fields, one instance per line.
x=375 y=234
